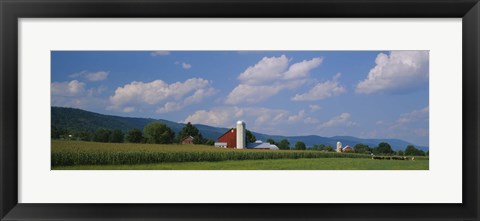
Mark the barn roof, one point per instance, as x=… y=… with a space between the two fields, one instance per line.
x=188 y=137
x=262 y=145
x=226 y=132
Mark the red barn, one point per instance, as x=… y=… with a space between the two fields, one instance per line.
x=229 y=137
x=347 y=149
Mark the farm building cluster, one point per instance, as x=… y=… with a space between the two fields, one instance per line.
x=343 y=149
x=236 y=138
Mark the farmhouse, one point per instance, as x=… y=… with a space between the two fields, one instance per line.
x=236 y=138
x=343 y=149
x=187 y=140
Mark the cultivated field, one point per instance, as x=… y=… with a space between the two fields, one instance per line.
x=279 y=164
x=126 y=156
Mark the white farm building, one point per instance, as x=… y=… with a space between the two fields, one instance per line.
x=261 y=145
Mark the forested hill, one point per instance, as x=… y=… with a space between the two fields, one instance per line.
x=72 y=119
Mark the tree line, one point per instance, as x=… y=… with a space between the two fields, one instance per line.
x=158 y=133
x=154 y=133
x=383 y=148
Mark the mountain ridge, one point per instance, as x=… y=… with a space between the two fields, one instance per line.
x=75 y=119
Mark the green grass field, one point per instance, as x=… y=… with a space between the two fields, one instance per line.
x=77 y=155
x=279 y=164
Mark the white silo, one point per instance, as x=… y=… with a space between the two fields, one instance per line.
x=339 y=146
x=241 y=134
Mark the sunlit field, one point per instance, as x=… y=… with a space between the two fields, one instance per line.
x=78 y=155
x=279 y=164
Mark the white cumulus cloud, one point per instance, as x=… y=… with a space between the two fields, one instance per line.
x=322 y=90
x=75 y=94
x=399 y=71
x=71 y=88
x=169 y=107
x=199 y=95
x=301 y=69
x=270 y=76
x=196 y=97
x=216 y=117
x=252 y=93
x=158 y=92
x=265 y=70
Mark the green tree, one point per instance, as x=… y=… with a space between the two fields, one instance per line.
x=421 y=153
x=158 y=133
x=102 y=135
x=57 y=133
x=384 y=148
x=427 y=153
x=83 y=136
x=322 y=147
x=271 y=141
x=284 y=145
x=329 y=148
x=250 y=137
x=190 y=130
x=361 y=148
x=401 y=153
x=198 y=139
x=300 y=146
x=412 y=151
x=134 y=136
x=116 y=136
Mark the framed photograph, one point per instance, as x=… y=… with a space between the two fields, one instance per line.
x=319 y=110
x=212 y=119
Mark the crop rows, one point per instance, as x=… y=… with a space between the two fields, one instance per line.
x=68 y=153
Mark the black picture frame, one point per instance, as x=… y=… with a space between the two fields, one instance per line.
x=12 y=10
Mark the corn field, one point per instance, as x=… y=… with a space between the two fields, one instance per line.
x=70 y=153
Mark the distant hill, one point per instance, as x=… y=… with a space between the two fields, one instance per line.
x=74 y=119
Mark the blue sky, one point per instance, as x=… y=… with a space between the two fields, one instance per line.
x=368 y=94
